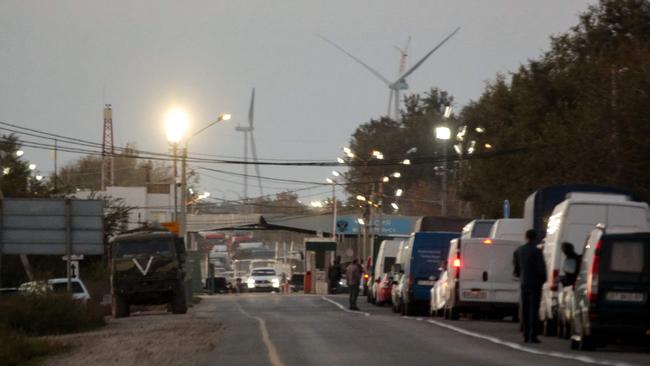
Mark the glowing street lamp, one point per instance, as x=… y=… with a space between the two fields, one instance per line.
x=176 y=124
x=340 y=160
x=20 y=153
x=443 y=133
x=396 y=175
x=399 y=192
x=395 y=206
x=406 y=162
x=361 y=198
x=32 y=166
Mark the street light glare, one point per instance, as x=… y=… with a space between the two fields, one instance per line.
x=347 y=150
x=406 y=162
x=448 y=110
x=443 y=133
x=397 y=175
x=336 y=173
x=340 y=160
x=39 y=177
x=361 y=198
x=361 y=221
x=329 y=180
x=32 y=166
x=399 y=192
x=20 y=153
x=480 y=129
x=225 y=117
x=385 y=179
x=176 y=123
x=395 y=206
x=488 y=146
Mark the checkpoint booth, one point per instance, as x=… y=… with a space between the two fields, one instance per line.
x=319 y=255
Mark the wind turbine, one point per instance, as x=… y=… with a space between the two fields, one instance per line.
x=399 y=84
x=248 y=131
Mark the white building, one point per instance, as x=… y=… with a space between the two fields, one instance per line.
x=153 y=203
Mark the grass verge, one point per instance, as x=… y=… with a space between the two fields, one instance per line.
x=18 y=349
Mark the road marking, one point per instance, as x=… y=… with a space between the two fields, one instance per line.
x=274 y=358
x=516 y=346
x=343 y=307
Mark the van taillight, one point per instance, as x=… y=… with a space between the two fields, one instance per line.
x=592 y=278
x=457 y=263
x=487 y=241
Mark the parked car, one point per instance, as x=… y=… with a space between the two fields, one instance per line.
x=423 y=256
x=396 y=291
x=384 y=290
x=386 y=257
x=612 y=288
x=57 y=285
x=9 y=291
x=571 y=221
x=263 y=279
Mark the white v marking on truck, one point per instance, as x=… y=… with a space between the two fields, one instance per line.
x=143 y=271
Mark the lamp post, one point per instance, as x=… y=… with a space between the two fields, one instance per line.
x=333 y=183
x=176 y=123
x=444 y=133
x=183 y=212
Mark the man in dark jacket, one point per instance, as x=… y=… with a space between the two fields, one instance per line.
x=334 y=275
x=531 y=270
x=353 y=274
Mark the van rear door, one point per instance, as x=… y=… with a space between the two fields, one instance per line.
x=503 y=284
x=475 y=265
x=624 y=280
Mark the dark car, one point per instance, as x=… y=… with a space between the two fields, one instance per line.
x=610 y=299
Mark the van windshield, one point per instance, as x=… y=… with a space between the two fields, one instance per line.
x=158 y=246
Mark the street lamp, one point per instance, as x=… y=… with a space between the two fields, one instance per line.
x=32 y=167
x=183 y=213
x=444 y=133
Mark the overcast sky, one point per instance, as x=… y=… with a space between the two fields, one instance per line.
x=60 y=61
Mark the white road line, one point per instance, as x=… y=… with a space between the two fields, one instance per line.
x=343 y=307
x=516 y=346
x=274 y=358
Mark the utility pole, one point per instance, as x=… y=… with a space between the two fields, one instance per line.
x=183 y=212
x=175 y=154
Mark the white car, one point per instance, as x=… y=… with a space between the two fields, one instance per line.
x=440 y=295
x=58 y=285
x=263 y=279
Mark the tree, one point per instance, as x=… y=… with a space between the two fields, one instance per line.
x=578 y=114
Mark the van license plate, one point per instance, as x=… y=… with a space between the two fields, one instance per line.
x=475 y=294
x=426 y=282
x=625 y=296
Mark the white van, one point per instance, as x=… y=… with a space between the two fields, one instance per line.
x=479 y=279
x=509 y=229
x=386 y=257
x=571 y=221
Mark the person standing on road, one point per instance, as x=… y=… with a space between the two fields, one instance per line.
x=334 y=274
x=531 y=269
x=353 y=274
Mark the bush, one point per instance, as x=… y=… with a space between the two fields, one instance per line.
x=17 y=349
x=49 y=314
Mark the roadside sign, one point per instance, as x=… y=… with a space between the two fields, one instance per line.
x=51 y=226
x=171 y=226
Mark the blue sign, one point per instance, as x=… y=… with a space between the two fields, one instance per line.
x=386 y=226
x=506 y=209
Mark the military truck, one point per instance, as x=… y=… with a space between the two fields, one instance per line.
x=147 y=269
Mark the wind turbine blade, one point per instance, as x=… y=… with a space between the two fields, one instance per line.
x=257 y=167
x=417 y=64
x=373 y=71
x=251 y=110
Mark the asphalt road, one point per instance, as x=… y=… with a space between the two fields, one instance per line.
x=272 y=329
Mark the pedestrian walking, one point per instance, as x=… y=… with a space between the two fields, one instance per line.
x=353 y=274
x=531 y=270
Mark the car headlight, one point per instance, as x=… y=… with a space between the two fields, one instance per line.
x=250 y=282
x=275 y=282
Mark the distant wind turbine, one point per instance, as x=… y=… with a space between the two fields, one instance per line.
x=399 y=84
x=248 y=131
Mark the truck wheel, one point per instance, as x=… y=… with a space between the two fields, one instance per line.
x=120 y=307
x=178 y=303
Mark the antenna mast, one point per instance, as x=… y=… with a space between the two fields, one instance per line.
x=108 y=149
